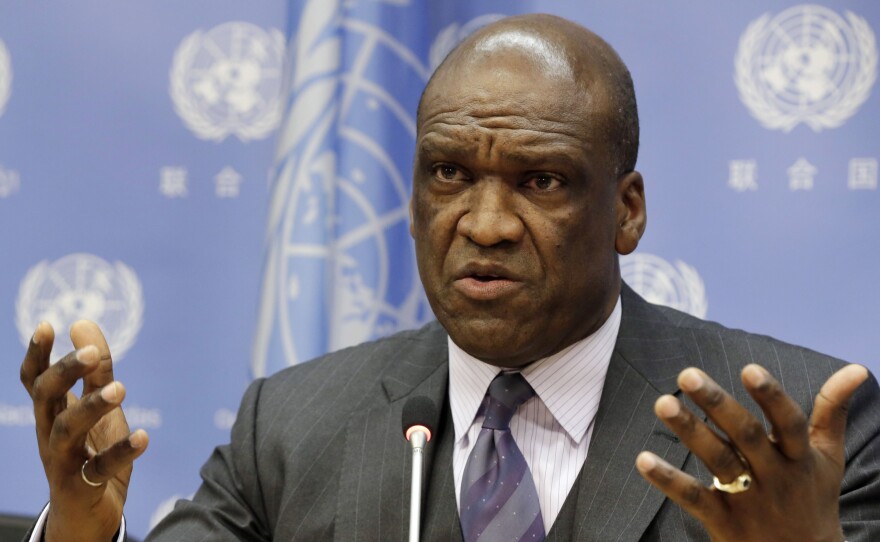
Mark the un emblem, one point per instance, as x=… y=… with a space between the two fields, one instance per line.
x=805 y=65
x=227 y=81
x=81 y=286
x=659 y=282
x=5 y=76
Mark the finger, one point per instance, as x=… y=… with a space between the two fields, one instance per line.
x=71 y=427
x=828 y=423
x=36 y=359
x=51 y=387
x=745 y=432
x=685 y=490
x=116 y=459
x=84 y=333
x=712 y=450
x=788 y=421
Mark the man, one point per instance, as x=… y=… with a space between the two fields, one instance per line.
x=524 y=194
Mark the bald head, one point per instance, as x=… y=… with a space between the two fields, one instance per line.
x=554 y=49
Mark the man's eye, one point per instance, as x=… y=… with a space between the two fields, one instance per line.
x=544 y=183
x=448 y=173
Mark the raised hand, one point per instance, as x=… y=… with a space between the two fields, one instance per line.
x=792 y=476
x=84 y=443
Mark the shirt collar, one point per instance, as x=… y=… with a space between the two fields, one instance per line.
x=569 y=382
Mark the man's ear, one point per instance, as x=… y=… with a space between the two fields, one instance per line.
x=412 y=224
x=631 y=212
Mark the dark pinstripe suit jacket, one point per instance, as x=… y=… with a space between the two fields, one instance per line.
x=317 y=453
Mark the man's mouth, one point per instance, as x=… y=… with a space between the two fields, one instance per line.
x=485 y=282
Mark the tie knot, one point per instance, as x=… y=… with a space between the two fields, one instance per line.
x=506 y=393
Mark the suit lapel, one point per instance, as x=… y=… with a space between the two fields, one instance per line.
x=374 y=492
x=611 y=500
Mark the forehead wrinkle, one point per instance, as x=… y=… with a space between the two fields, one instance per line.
x=482 y=106
x=539 y=129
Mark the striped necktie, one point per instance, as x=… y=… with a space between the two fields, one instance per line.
x=499 y=501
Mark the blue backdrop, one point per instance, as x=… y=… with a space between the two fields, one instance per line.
x=223 y=186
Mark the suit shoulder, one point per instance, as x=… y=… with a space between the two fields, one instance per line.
x=783 y=350
x=356 y=371
x=369 y=351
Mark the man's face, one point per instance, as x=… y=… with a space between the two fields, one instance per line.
x=515 y=209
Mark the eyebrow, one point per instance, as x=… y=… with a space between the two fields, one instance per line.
x=540 y=157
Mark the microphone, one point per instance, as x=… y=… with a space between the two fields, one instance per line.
x=418 y=416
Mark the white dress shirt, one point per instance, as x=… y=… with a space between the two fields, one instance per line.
x=551 y=429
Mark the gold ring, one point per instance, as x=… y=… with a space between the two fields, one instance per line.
x=742 y=483
x=82 y=471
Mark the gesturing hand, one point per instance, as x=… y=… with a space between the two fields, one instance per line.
x=795 y=472
x=85 y=445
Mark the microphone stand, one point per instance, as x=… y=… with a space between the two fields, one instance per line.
x=418 y=417
x=417 y=441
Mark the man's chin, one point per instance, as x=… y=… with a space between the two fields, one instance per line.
x=496 y=343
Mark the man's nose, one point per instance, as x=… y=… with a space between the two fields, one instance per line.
x=491 y=217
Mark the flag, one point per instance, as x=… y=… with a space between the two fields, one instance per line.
x=340 y=266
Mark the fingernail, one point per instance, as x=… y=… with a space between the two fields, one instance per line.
x=667 y=407
x=646 y=462
x=87 y=355
x=754 y=375
x=690 y=380
x=110 y=393
x=138 y=439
